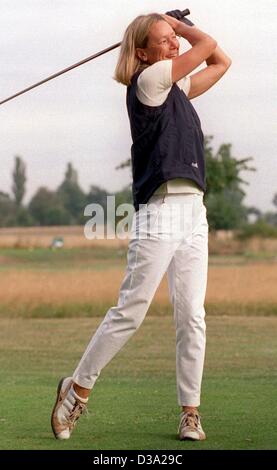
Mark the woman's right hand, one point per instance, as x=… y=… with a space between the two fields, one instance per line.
x=172 y=21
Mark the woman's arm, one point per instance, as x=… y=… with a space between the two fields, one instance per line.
x=217 y=64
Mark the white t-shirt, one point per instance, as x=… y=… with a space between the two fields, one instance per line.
x=153 y=86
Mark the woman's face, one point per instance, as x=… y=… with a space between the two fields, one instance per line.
x=162 y=44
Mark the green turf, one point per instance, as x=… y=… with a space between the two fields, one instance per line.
x=97 y=309
x=133 y=405
x=48 y=259
x=98 y=258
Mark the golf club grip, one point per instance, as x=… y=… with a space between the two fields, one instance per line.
x=185 y=12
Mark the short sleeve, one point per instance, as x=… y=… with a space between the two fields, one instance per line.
x=184 y=84
x=154 y=83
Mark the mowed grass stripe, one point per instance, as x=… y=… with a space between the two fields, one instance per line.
x=133 y=405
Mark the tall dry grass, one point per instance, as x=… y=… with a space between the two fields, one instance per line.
x=238 y=284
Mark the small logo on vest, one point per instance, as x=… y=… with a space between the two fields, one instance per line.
x=195 y=165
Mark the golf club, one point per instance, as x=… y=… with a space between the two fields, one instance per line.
x=67 y=69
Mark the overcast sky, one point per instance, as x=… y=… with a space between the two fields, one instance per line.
x=81 y=116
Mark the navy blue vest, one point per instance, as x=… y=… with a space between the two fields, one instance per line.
x=167 y=142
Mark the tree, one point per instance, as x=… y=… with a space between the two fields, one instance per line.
x=224 y=195
x=7 y=211
x=97 y=195
x=222 y=169
x=124 y=196
x=19 y=180
x=47 y=209
x=71 y=195
x=225 y=210
x=23 y=217
x=271 y=217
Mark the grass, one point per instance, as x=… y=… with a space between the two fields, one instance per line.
x=56 y=259
x=96 y=309
x=37 y=258
x=133 y=405
x=85 y=282
x=51 y=301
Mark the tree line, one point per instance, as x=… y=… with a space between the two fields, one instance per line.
x=224 y=197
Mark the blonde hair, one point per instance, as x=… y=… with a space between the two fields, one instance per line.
x=136 y=35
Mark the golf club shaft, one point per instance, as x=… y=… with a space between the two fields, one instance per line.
x=67 y=69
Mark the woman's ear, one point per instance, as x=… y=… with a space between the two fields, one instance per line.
x=141 y=54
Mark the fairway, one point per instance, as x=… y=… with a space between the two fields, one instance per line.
x=51 y=302
x=133 y=405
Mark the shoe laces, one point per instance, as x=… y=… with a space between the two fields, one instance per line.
x=190 y=419
x=78 y=409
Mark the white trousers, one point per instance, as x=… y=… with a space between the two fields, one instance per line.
x=169 y=234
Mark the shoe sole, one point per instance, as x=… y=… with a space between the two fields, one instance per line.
x=52 y=415
x=200 y=437
x=193 y=439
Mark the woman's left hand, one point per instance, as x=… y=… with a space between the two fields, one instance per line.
x=172 y=21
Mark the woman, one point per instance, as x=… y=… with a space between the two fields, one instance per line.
x=168 y=185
